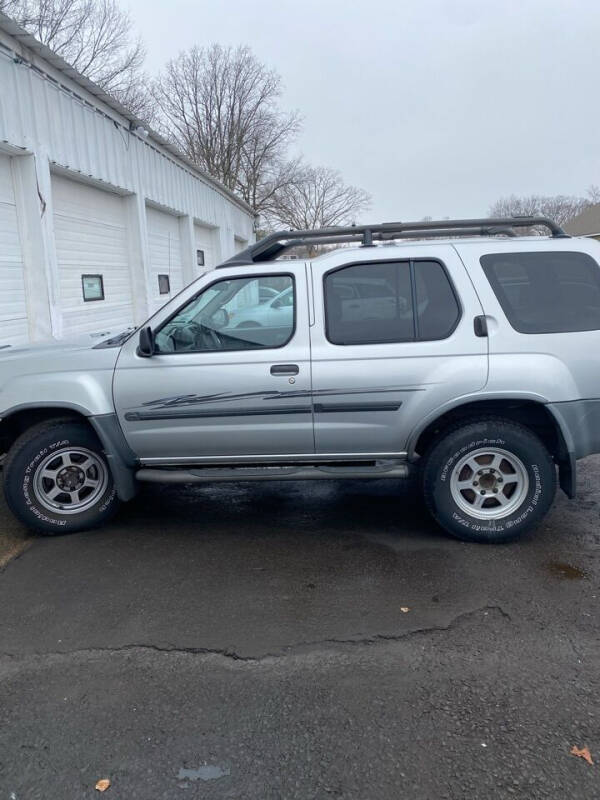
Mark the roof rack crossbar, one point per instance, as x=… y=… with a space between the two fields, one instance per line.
x=273 y=245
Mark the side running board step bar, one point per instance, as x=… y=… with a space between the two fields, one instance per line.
x=393 y=469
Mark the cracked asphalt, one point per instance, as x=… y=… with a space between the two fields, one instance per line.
x=251 y=641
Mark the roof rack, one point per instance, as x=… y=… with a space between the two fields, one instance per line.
x=275 y=244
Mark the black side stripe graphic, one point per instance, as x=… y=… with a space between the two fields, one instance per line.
x=332 y=408
x=183 y=400
x=194 y=413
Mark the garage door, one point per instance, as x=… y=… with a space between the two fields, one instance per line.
x=166 y=273
x=205 y=249
x=240 y=244
x=91 y=247
x=13 y=312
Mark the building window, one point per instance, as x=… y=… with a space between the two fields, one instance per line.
x=93 y=287
x=164 y=285
x=200 y=258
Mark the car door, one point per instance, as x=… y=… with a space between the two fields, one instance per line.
x=217 y=388
x=406 y=347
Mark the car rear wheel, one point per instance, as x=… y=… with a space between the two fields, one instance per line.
x=57 y=480
x=489 y=480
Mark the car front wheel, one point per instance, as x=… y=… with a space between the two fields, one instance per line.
x=57 y=480
x=489 y=480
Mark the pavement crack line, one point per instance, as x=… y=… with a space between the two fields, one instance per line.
x=297 y=647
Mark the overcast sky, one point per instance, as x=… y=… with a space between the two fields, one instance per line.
x=436 y=107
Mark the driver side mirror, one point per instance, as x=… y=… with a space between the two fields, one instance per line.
x=146 y=343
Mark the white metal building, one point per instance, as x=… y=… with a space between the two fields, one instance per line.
x=100 y=221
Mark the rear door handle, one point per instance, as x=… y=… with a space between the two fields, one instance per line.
x=480 y=326
x=285 y=369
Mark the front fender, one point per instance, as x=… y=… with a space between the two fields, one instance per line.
x=87 y=394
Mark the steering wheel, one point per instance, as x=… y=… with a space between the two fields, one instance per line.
x=204 y=332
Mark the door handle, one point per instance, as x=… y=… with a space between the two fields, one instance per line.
x=285 y=369
x=480 y=326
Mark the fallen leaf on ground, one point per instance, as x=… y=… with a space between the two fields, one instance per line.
x=404 y=609
x=103 y=784
x=582 y=753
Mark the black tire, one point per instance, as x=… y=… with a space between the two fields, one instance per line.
x=534 y=498
x=24 y=487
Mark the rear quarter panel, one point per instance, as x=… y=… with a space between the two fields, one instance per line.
x=556 y=367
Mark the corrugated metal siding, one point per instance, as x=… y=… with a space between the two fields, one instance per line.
x=165 y=255
x=13 y=311
x=34 y=111
x=91 y=238
x=82 y=225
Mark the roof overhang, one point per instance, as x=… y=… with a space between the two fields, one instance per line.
x=128 y=120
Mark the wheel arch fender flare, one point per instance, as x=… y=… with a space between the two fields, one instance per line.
x=121 y=459
x=564 y=452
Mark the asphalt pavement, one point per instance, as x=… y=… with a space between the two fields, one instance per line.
x=302 y=640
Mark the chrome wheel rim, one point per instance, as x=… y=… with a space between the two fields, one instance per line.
x=71 y=480
x=489 y=483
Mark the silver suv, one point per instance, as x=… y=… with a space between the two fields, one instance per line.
x=468 y=356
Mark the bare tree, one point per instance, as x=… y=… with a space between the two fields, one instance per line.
x=221 y=106
x=593 y=194
x=560 y=208
x=317 y=198
x=95 y=37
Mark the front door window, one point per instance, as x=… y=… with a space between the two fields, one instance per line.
x=233 y=314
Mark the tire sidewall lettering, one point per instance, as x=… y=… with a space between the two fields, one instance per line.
x=108 y=500
x=474 y=445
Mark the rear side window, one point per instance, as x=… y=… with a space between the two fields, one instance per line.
x=546 y=292
x=437 y=309
x=368 y=303
x=397 y=301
